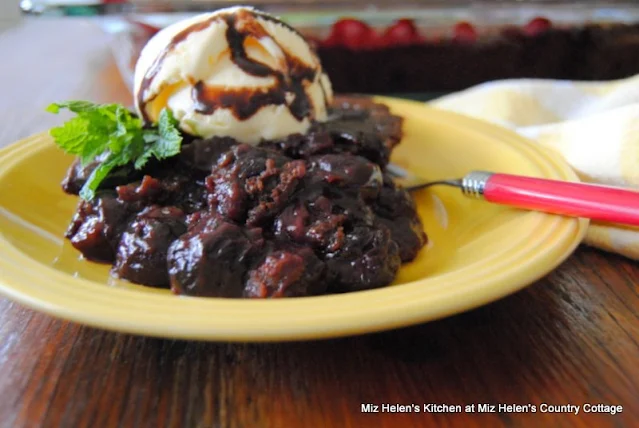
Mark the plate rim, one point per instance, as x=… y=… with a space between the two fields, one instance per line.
x=15 y=285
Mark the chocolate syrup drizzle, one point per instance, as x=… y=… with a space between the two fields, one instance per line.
x=244 y=102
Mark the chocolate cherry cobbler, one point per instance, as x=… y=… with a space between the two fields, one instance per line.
x=241 y=175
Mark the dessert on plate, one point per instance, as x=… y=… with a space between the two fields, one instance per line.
x=240 y=174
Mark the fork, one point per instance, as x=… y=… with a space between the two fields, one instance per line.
x=603 y=203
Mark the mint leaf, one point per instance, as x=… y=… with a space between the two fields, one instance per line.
x=142 y=159
x=76 y=106
x=93 y=182
x=53 y=108
x=163 y=143
x=112 y=132
x=74 y=133
x=84 y=135
x=112 y=161
x=169 y=141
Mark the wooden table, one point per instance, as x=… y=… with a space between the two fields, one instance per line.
x=571 y=338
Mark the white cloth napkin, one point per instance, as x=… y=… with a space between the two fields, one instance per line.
x=593 y=125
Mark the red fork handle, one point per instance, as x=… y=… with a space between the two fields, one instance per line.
x=610 y=204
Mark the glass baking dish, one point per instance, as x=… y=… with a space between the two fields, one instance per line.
x=410 y=46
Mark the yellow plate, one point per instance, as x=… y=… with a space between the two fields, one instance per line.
x=477 y=252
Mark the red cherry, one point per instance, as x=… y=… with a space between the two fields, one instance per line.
x=351 y=33
x=464 y=32
x=401 y=33
x=537 y=26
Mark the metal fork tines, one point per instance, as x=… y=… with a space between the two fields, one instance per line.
x=410 y=181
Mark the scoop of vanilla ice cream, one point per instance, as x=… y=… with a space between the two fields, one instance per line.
x=234 y=73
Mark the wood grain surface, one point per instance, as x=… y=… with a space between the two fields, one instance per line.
x=571 y=338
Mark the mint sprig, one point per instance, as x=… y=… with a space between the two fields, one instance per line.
x=112 y=132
